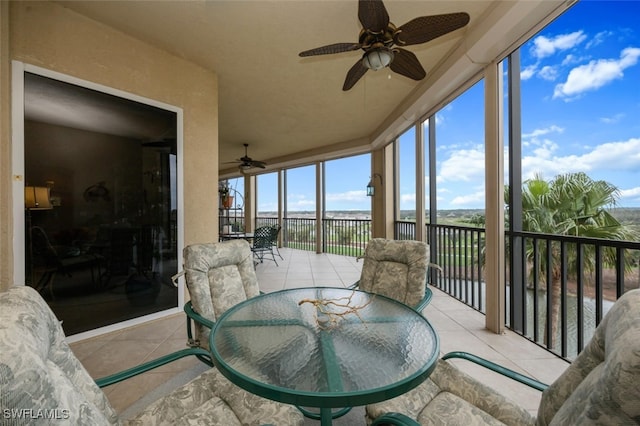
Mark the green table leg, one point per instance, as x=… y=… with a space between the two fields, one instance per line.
x=326 y=417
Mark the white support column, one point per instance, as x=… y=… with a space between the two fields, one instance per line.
x=319 y=206
x=494 y=199
x=280 y=205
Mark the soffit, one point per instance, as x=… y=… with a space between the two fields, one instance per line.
x=291 y=109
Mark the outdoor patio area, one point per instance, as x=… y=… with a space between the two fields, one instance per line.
x=460 y=329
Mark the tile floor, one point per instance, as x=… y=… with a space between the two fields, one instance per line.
x=459 y=328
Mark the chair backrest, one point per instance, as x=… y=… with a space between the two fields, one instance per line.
x=601 y=384
x=41 y=380
x=396 y=269
x=275 y=230
x=263 y=237
x=44 y=254
x=218 y=276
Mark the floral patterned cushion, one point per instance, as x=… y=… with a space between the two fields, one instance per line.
x=451 y=397
x=38 y=370
x=601 y=384
x=218 y=276
x=600 y=387
x=43 y=382
x=396 y=269
x=212 y=399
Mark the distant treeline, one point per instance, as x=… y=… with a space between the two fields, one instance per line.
x=626 y=215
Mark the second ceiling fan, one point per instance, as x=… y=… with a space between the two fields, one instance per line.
x=380 y=40
x=246 y=162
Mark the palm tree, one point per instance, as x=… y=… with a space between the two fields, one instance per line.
x=570 y=204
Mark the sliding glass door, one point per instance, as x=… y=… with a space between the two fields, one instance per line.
x=100 y=175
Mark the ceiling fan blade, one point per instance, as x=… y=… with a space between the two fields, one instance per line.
x=406 y=63
x=355 y=73
x=373 y=15
x=260 y=164
x=331 y=48
x=426 y=28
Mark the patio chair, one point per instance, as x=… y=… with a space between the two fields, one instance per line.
x=218 y=276
x=41 y=380
x=599 y=387
x=275 y=232
x=397 y=269
x=264 y=239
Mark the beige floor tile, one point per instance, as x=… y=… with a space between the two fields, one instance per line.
x=459 y=328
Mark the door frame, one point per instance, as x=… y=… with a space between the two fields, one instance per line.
x=18 y=70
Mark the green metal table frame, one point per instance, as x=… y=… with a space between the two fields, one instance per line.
x=337 y=397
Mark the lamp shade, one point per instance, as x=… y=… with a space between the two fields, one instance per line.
x=377 y=59
x=37 y=198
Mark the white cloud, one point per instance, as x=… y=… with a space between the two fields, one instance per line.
x=549 y=73
x=544 y=46
x=408 y=198
x=545 y=131
x=596 y=74
x=358 y=195
x=528 y=72
x=598 y=38
x=572 y=60
x=612 y=120
x=299 y=202
x=475 y=199
x=633 y=192
x=623 y=155
x=463 y=165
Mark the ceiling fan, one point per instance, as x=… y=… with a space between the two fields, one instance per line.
x=380 y=40
x=247 y=162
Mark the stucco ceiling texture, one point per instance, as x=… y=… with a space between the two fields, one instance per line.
x=287 y=107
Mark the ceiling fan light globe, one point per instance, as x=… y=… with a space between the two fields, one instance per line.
x=377 y=59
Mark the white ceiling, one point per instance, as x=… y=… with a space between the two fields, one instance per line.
x=290 y=108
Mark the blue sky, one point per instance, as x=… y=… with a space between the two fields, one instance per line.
x=580 y=112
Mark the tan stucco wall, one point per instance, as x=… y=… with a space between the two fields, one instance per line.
x=6 y=249
x=50 y=36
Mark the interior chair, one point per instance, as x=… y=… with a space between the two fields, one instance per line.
x=264 y=239
x=218 y=276
x=42 y=381
x=49 y=260
x=599 y=387
x=397 y=269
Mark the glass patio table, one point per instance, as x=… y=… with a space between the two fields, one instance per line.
x=324 y=348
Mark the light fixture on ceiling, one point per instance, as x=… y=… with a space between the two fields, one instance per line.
x=244 y=168
x=376 y=59
x=371 y=186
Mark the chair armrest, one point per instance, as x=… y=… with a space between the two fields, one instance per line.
x=531 y=382
x=150 y=365
x=428 y=294
x=396 y=419
x=188 y=309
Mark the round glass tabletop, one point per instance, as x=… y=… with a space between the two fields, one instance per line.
x=324 y=347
